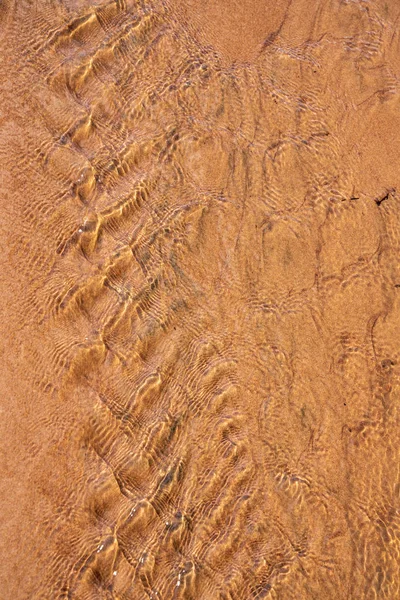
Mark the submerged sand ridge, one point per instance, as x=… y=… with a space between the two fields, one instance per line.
x=200 y=281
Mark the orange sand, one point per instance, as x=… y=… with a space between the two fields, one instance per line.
x=200 y=300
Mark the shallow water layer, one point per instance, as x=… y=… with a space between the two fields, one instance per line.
x=200 y=296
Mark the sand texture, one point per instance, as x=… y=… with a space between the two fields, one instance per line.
x=200 y=300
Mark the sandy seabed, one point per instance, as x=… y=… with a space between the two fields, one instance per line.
x=200 y=300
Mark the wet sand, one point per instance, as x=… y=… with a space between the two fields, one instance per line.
x=200 y=300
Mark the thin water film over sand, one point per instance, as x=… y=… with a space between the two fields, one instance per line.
x=200 y=299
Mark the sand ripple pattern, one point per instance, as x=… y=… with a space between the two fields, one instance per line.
x=206 y=299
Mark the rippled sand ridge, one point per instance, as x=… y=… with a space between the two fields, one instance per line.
x=200 y=300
